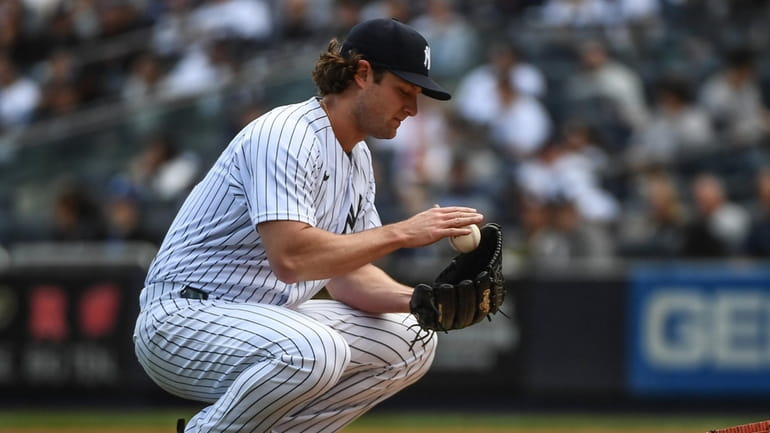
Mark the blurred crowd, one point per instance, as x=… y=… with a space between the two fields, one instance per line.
x=590 y=129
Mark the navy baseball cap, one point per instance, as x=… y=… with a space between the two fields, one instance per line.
x=392 y=45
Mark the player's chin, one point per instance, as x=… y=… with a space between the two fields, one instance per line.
x=385 y=133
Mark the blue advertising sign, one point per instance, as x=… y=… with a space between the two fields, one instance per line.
x=699 y=330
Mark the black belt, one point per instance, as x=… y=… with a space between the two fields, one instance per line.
x=192 y=293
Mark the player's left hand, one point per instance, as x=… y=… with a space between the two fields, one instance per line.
x=469 y=289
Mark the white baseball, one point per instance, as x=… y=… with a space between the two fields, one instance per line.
x=466 y=243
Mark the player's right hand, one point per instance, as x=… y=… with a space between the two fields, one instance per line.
x=437 y=223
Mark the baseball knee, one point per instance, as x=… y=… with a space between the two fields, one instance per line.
x=417 y=348
x=421 y=355
x=322 y=360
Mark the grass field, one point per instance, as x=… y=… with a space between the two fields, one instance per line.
x=30 y=421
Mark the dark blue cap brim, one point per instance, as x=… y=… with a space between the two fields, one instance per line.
x=429 y=87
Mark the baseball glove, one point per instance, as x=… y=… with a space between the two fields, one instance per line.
x=469 y=289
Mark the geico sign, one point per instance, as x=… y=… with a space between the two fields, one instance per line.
x=686 y=328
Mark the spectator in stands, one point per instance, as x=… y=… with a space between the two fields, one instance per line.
x=346 y=14
x=603 y=79
x=555 y=174
x=533 y=224
x=245 y=20
x=465 y=188
x=76 y=216
x=61 y=92
x=118 y=17
x=537 y=177
x=300 y=20
x=521 y=124
x=478 y=99
x=161 y=171
x=623 y=21
x=19 y=96
x=204 y=66
x=636 y=11
x=145 y=79
x=59 y=32
x=718 y=227
x=482 y=171
x=678 y=128
x=582 y=166
x=12 y=19
x=589 y=240
x=642 y=19
x=453 y=40
x=757 y=242
x=568 y=239
x=123 y=214
x=398 y=9
x=570 y=14
x=652 y=226
x=69 y=86
x=585 y=147
x=173 y=30
x=733 y=98
x=86 y=19
x=295 y=20
x=58 y=68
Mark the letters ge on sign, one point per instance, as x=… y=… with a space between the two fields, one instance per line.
x=724 y=329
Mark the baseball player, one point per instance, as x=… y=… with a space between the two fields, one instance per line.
x=288 y=209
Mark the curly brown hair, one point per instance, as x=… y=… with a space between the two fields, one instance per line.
x=333 y=72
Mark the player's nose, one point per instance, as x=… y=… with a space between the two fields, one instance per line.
x=411 y=108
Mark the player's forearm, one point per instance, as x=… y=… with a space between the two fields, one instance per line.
x=314 y=254
x=370 y=289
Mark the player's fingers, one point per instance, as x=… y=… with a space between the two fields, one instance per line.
x=454 y=209
x=452 y=217
x=463 y=219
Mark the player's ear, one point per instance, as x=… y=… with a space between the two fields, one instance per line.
x=362 y=73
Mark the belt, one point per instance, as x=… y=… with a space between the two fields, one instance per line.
x=192 y=293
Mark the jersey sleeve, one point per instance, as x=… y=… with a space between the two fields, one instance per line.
x=277 y=163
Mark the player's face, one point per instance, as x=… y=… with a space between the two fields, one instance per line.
x=381 y=107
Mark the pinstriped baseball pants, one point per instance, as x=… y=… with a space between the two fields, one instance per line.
x=270 y=369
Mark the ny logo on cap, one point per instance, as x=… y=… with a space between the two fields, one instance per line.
x=426 y=62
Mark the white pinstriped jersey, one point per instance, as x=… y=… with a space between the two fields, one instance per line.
x=285 y=165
